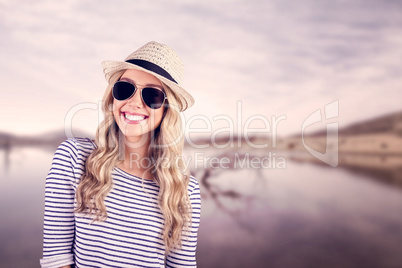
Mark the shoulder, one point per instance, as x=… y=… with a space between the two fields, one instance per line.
x=76 y=148
x=69 y=160
x=84 y=145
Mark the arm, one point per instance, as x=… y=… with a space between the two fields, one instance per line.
x=59 y=222
x=186 y=255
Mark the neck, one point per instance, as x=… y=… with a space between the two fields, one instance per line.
x=132 y=152
x=136 y=159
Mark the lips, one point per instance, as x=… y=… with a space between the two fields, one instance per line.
x=133 y=118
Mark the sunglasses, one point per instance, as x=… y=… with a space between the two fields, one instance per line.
x=152 y=97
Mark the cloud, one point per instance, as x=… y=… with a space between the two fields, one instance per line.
x=277 y=57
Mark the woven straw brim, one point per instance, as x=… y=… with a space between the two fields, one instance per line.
x=184 y=98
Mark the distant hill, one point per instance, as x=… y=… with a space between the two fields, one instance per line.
x=52 y=139
x=390 y=123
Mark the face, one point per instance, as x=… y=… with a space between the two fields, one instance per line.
x=135 y=119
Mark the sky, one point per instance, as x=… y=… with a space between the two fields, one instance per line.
x=264 y=65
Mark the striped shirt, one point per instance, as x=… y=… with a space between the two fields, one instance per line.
x=131 y=236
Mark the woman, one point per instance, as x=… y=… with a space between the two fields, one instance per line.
x=127 y=200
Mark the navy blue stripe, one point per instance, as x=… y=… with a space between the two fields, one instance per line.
x=56 y=195
x=54 y=221
x=134 y=212
x=64 y=226
x=135 y=205
x=152 y=67
x=179 y=264
x=182 y=260
x=133 y=222
x=61 y=160
x=60 y=174
x=130 y=193
x=137 y=190
x=64 y=152
x=68 y=165
x=127 y=176
x=60 y=189
x=66 y=207
x=141 y=201
x=58 y=253
x=53 y=216
x=123 y=180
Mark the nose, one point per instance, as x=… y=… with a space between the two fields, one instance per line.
x=136 y=100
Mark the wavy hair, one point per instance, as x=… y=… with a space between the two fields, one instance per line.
x=168 y=169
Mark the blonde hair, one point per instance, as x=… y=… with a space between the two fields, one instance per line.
x=169 y=170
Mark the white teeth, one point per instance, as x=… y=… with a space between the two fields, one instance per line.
x=132 y=117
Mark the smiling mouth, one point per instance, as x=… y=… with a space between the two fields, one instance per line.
x=133 y=118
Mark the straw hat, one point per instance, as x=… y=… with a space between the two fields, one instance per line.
x=159 y=60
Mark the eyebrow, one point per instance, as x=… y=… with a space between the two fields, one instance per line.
x=147 y=85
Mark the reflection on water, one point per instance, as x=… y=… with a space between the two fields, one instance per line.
x=301 y=215
x=5 y=150
x=230 y=201
x=21 y=206
x=386 y=168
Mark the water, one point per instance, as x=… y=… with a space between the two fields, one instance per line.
x=21 y=207
x=303 y=215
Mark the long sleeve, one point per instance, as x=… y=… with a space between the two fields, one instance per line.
x=186 y=256
x=59 y=208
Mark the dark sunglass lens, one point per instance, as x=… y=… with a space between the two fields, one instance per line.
x=123 y=90
x=153 y=97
